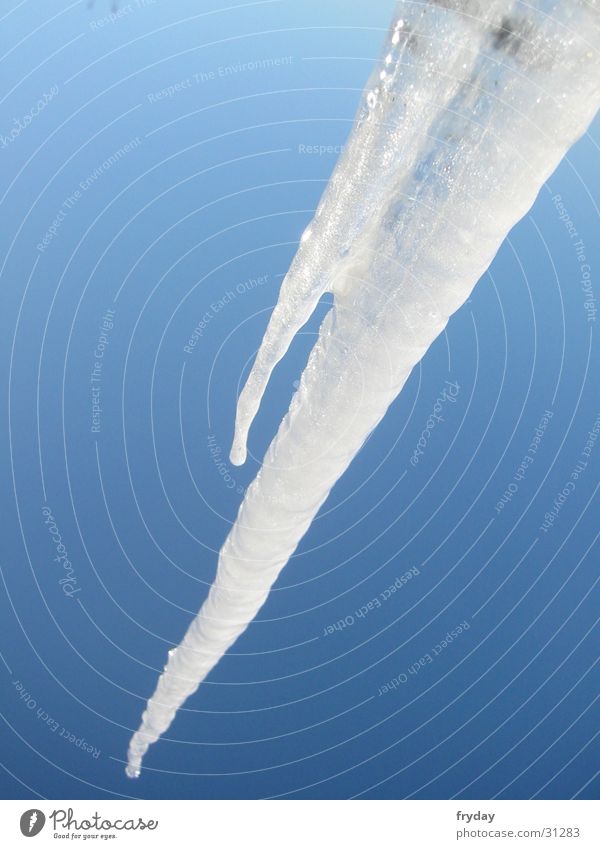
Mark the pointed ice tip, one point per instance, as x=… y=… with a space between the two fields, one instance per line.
x=238 y=453
x=132 y=771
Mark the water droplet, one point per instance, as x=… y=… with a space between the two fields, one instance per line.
x=372 y=99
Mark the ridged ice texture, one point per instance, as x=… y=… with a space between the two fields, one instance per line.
x=472 y=106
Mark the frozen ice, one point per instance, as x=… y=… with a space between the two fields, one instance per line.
x=470 y=109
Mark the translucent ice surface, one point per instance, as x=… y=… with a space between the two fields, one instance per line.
x=471 y=107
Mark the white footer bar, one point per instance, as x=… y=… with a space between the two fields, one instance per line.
x=302 y=824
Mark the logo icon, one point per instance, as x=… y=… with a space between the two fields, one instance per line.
x=32 y=822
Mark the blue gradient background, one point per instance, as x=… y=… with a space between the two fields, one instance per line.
x=217 y=192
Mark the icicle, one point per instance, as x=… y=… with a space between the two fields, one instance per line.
x=471 y=108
